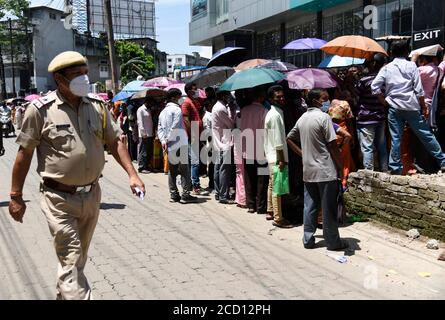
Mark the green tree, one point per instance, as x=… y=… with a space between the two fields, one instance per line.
x=20 y=26
x=133 y=61
x=21 y=32
x=18 y=7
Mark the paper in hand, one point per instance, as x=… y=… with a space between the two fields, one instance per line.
x=139 y=193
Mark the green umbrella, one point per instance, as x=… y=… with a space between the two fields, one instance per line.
x=251 y=78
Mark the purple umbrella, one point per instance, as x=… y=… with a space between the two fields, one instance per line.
x=303 y=79
x=305 y=44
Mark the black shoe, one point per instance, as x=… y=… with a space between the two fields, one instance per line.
x=283 y=224
x=175 y=199
x=309 y=245
x=227 y=202
x=251 y=210
x=343 y=246
x=188 y=199
x=217 y=198
x=442 y=169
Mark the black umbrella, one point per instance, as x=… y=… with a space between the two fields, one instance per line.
x=211 y=77
x=230 y=56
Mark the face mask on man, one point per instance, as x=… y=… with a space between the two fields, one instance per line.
x=181 y=100
x=325 y=106
x=80 y=86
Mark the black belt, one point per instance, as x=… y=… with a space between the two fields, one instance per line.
x=57 y=186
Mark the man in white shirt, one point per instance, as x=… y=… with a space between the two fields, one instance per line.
x=174 y=140
x=145 y=127
x=275 y=147
x=223 y=122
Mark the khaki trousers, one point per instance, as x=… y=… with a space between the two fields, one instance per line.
x=72 y=220
x=273 y=202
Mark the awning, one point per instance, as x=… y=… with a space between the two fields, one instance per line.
x=315 y=5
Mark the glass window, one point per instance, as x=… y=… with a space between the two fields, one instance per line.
x=380 y=31
x=406 y=4
x=348 y=22
x=406 y=22
x=269 y=45
x=392 y=9
x=313 y=29
x=391 y=27
x=381 y=10
x=338 y=23
x=222 y=11
x=327 y=24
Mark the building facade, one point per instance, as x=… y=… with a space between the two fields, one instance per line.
x=264 y=27
x=49 y=37
x=181 y=61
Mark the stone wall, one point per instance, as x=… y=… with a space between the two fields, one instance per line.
x=400 y=201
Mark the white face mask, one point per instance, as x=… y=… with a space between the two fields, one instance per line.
x=196 y=94
x=181 y=100
x=80 y=86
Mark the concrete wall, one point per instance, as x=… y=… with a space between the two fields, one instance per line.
x=49 y=39
x=400 y=201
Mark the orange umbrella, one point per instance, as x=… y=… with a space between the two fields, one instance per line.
x=353 y=46
x=252 y=63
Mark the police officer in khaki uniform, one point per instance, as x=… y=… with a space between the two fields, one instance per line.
x=69 y=128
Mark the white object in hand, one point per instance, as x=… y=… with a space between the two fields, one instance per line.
x=139 y=193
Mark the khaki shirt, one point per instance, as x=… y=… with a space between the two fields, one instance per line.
x=68 y=141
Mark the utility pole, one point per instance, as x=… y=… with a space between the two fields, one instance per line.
x=2 y=76
x=111 y=50
x=12 y=58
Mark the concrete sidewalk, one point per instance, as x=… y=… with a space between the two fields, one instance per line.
x=157 y=250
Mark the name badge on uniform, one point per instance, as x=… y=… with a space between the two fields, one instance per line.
x=62 y=126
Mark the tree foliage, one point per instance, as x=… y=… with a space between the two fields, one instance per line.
x=133 y=61
x=18 y=7
x=20 y=27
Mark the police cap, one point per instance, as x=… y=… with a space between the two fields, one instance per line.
x=66 y=59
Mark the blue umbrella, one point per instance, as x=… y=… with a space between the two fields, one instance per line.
x=338 y=62
x=134 y=86
x=305 y=44
x=123 y=95
x=229 y=56
x=251 y=78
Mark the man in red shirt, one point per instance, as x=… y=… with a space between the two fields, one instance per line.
x=193 y=125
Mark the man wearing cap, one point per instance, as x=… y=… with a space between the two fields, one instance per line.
x=68 y=128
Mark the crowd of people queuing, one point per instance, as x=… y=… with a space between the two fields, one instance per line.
x=385 y=116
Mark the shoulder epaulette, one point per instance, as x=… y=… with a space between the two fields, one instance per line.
x=44 y=101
